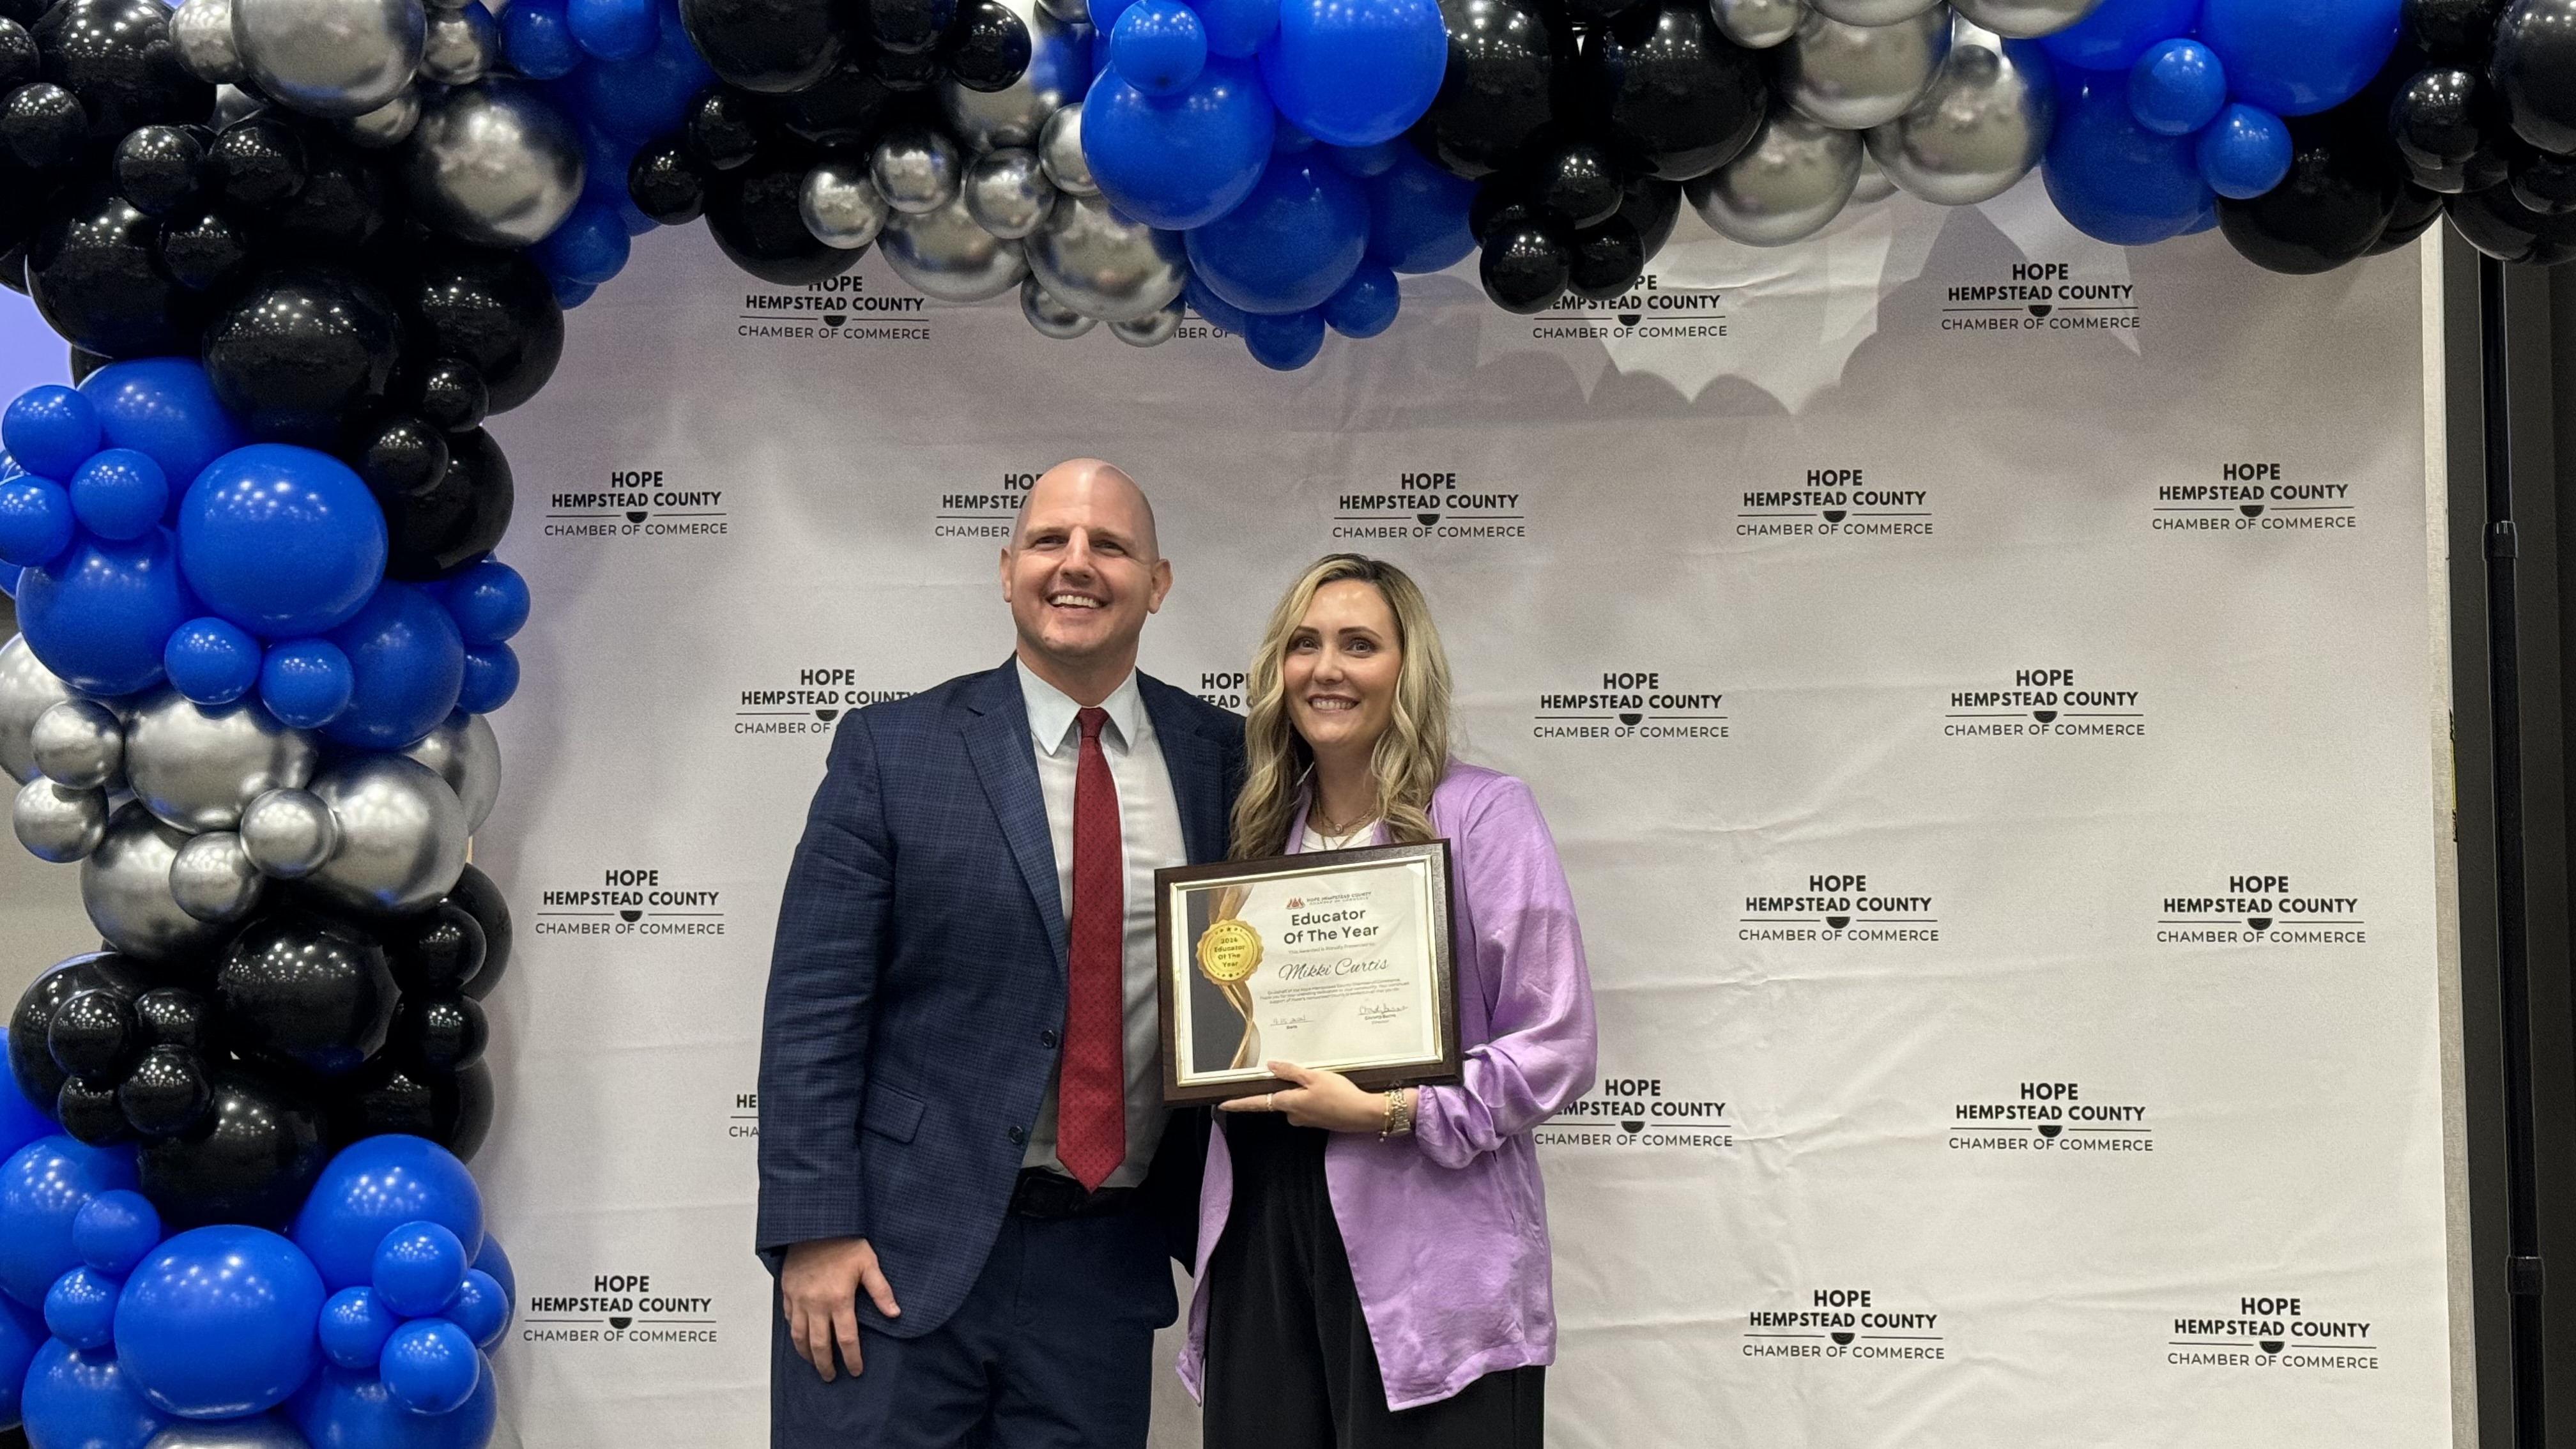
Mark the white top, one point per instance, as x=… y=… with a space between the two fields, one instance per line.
x=1365 y=834
x=1149 y=829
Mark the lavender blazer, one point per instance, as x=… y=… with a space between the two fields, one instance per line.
x=1447 y=1228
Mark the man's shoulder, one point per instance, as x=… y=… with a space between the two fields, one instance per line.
x=929 y=708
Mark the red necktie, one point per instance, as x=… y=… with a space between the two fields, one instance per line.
x=1091 y=1084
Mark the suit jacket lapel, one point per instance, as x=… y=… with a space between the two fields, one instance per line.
x=1197 y=768
x=997 y=740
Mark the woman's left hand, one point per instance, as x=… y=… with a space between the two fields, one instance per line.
x=1320 y=1099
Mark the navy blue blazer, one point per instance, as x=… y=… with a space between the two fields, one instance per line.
x=916 y=989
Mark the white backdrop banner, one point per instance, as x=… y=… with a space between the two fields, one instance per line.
x=1980 y=680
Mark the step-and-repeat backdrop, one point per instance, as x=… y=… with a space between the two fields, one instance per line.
x=1982 y=683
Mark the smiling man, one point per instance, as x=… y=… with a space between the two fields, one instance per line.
x=968 y=1181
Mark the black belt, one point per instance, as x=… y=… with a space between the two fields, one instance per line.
x=1050 y=1197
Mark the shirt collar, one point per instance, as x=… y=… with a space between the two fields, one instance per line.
x=1051 y=711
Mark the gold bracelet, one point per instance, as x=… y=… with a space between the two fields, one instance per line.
x=1399 y=1116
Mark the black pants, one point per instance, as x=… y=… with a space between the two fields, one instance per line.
x=1289 y=1363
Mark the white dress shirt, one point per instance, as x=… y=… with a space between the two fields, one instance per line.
x=1149 y=831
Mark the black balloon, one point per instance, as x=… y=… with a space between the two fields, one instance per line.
x=1651 y=205
x=156 y=168
x=482 y=900
x=1607 y=260
x=723 y=128
x=259 y=161
x=2453 y=32
x=493 y=309
x=1503 y=201
x=1678 y=98
x=903 y=72
x=308 y=988
x=452 y=395
x=43 y=125
x=846 y=109
x=2535 y=69
x=664 y=184
x=31 y=1061
x=2500 y=226
x=117 y=56
x=89 y=1112
x=203 y=251
x=1576 y=182
x=452 y=1109
x=1496 y=92
x=909 y=27
x=2447 y=124
x=92 y=1034
x=250 y=1160
x=758 y=219
x=167 y=1092
x=92 y=271
x=344 y=202
x=300 y=348
x=444 y=1033
x=2545 y=183
x=20 y=61
x=82 y=364
x=1525 y=267
x=987 y=48
x=405 y=456
x=765 y=45
x=438 y=951
x=2332 y=209
x=171 y=1016
x=455 y=521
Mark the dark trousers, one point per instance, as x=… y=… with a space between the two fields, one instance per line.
x=1289 y=1362
x=1052 y=1349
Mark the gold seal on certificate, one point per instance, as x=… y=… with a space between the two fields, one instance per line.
x=1338 y=960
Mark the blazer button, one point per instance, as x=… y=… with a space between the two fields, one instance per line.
x=1047 y=1038
x=1019 y=1135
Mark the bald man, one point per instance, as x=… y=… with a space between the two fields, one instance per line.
x=968 y=1182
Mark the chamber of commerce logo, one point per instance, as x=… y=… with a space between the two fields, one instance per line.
x=2041 y=297
x=1632 y=704
x=637 y=503
x=1834 y=502
x=619 y=1308
x=2271 y=1331
x=1430 y=505
x=1645 y=310
x=2051 y=1117
x=2262 y=909
x=985 y=516
x=810 y=706
x=839 y=310
x=1635 y=1112
x=2254 y=497
x=743 y=1121
x=1839 y=908
x=1844 y=1324
x=630 y=901
x=2045 y=704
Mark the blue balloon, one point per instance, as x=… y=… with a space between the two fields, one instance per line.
x=614 y=29
x=220 y=1321
x=408 y=666
x=1288 y=138
x=35 y=520
x=1292 y=243
x=211 y=660
x=2114 y=179
x=569 y=293
x=355 y=1324
x=488 y=601
x=1418 y=216
x=1105 y=16
x=1237 y=28
x=418 y=1268
x=43 y=1186
x=21 y=1334
x=80 y=1309
x=536 y=38
x=2244 y=153
x=2119 y=31
x=431 y=1366
x=163 y=407
x=588 y=248
x=1366 y=304
x=1362 y=162
x=78 y=1399
x=9 y=573
x=1284 y=342
x=2299 y=57
x=120 y=493
x=100 y=614
x=604 y=162
x=497 y=1263
x=21 y=1120
x=1159 y=47
x=306 y=683
x=1183 y=161
x=491 y=677
x=341 y=1409
x=374 y=1186
x=481 y=1307
x=50 y=430
x=282 y=540
x=636 y=100
x=1355 y=72
x=113 y=1231
x=1226 y=316
x=2177 y=87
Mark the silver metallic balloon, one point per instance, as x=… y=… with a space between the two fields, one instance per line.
x=58 y=822
x=944 y=254
x=1759 y=24
x=202 y=32
x=267 y=1431
x=494 y=163
x=1982 y=127
x=468 y=758
x=330 y=57
x=125 y=887
x=402 y=834
x=387 y=125
x=1873 y=184
x=1794 y=178
x=460 y=46
x=1872 y=12
x=1853 y=77
x=1050 y=317
x=1077 y=11
x=196 y=767
x=289 y=833
x=1151 y=331
x=841 y=205
x=915 y=169
x=2024 y=19
x=27 y=690
x=1060 y=151
x=232 y=103
x=1059 y=71
x=213 y=880
x=80 y=743
x=1007 y=192
x=1103 y=265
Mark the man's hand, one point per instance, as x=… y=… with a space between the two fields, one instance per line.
x=819 y=1286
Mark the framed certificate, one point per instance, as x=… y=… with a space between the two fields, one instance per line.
x=1338 y=960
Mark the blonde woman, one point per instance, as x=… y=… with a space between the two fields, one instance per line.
x=1373 y=1267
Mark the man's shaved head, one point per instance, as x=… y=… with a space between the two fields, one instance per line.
x=1082 y=572
x=1090 y=477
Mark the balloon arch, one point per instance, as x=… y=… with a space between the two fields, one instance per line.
x=302 y=249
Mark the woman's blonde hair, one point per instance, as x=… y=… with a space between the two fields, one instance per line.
x=1410 y=757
